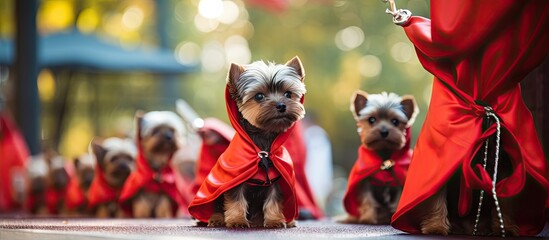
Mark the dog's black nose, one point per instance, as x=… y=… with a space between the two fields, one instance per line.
x=384 y=132
x=281 y=107
x=168 y=135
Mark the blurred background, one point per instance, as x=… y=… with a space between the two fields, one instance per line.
x=144 y=54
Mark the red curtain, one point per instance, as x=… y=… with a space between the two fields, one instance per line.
x=478 y=50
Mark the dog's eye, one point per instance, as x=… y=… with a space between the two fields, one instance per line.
x=395 y=122
x=288 y=94
x=372 y=120
x=259 y=97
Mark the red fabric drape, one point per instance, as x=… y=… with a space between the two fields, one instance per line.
x=143 y=178
x=478 y=50
x=240 y=163
x=368 y=166
x=13 y=157
x=297 y=149
x=210 y=153
x=76 y=197
x=100 y=191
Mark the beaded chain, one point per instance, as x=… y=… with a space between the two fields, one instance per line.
x=490 y=113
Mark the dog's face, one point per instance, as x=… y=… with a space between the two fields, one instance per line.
x=382 y=119
x=268 y=95
x=85 y=170
x=115 y=159
x=57 y=177
x=161 y=135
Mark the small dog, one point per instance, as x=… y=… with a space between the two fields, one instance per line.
x=152 y=188
x=115 y=159
x=377 y=178
x=37 y=172
x=269 y=101
x=81 y=179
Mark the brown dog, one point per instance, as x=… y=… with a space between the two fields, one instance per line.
x=377 y=178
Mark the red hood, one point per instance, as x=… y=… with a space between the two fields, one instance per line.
x=14 y=154
x=368 y=165
x=240 y=163
x=144 y=178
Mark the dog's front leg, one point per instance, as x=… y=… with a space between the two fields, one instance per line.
x=436 y=219
x=164 y=207
x=236 y=207
x=272 y=209
x=142 y=206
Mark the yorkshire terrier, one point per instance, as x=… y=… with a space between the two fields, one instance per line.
x=115 y=162
x=376 y=181
x=268 y=97
x=160 y=135
x=80 y=181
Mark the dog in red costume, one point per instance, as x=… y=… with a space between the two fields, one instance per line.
x=115 y=159
x=76 y=201
x=253 y=181
x=151 y=190
x=376 y=180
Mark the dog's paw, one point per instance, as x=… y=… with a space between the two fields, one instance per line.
x=291 y=224
x=238 y=224
x=216 y=220
x=274 y=224
x=368 y=220
x=435 y=226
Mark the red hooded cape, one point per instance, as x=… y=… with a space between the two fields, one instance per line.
x=144 y=178
x=368 y=166
x=100 y=191
x=13 y=157
x=478 y=51
x=76 y=197
x=239 y=163
x=210 y=153
x=297 y=149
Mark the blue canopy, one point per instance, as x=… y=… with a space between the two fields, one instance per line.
x=74 y=50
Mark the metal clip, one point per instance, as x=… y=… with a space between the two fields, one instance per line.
x=400 y=16
x=387 y=164
x=263 y=154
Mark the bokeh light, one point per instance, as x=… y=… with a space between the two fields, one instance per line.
x=46 y=85
x=402 y=52
x=210 y=9
x=133 y=17
x=230 y=13
x=88 y=20
x=213 y=57
x=237 y=50
x=349 y=38
x=187 y=53
x=369 y=66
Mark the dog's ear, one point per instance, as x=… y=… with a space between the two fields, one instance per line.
x=138 y=123
x=358 y=102
x=77 y=163
x=410 y=108
x=99 y=153
x=295 y=63
x=232 y=77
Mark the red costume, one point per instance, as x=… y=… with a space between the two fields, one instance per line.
x=76 y=197
x=240 y=164
x=144 y=178
x=297 y=149
x=210 y=153
x=13 y=157
x=100 y=191
x=478 y=51
x=367 y=167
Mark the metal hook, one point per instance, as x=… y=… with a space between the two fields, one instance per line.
x=400 y=16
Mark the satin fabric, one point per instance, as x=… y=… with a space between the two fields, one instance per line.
x=297 y=149
x=367 y=168
x=478 y=51
x=13 y=157
x=239 y=163
x=145 y=179
x=75 y=197
x=210 y=153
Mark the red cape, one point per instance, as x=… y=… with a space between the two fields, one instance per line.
x=210 y=153
x=144 y=179
x=13 y=155
x=76 y=197
x=368 y=165
x=499 y=50
x=100 y=191
x=297 y=149
x=239 y=163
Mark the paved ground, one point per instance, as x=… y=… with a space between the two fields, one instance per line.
x=85 y=229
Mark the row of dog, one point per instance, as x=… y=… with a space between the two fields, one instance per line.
x=136 y=178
